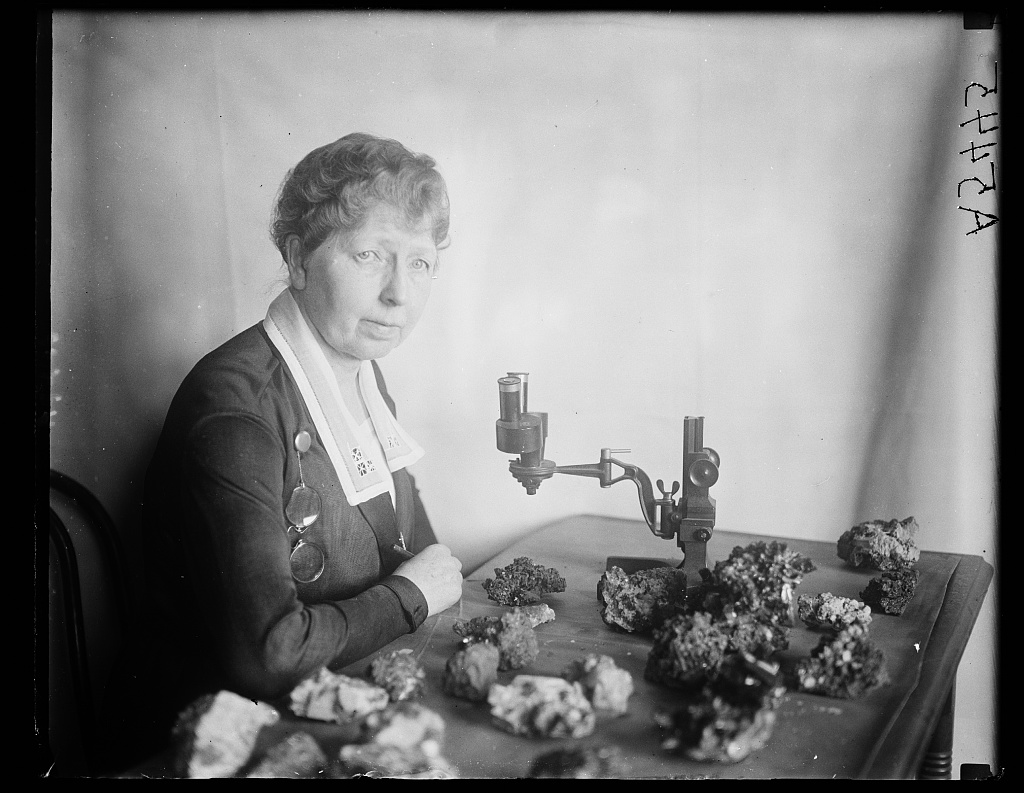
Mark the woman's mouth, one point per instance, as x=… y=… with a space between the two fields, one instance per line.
x=381 y=330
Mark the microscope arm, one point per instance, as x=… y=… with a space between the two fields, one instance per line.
x=602 y=471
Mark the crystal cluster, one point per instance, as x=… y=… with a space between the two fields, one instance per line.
x=744 y=605
x=759 y=579
x=733 y=717
x=845 y=665
x=891 y=592
x=832 y=611
x=638 y=602
x=339 y=698
x=607 y=686
x=399 y=673
x=537 y=613
x=471 y=671
x=522 y=582
x=512 y=633
x=401 y=740
x=542 y=707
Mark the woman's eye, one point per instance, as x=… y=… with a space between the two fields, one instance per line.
x=420 y=264
x=366 y=256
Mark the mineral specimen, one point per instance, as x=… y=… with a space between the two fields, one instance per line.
x=758 y=579
x=402 y=739
x=744 y=604
x=880 y=544
x=216 y=734
x=298 y=756
x=471 y=671
x=538 y=613
x=749 y=634
x=579 y=762
x=687 y=651
x=606 y=685
x=331 y=697
x=639 y=601
x=522 y=582
x=512 y=633
x=399 y=673
x=832 y=611
x=375 y=760
x=733 y=717
x=716 y=730
x=541 y=707
x=404 y=724
x=891 y=591
x=842 y=666
x=745 y=679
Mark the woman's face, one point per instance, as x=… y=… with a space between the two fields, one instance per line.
x=364 y=292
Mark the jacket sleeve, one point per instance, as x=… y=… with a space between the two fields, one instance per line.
x=237 y=559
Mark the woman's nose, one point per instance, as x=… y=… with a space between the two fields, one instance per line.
x=395 y=288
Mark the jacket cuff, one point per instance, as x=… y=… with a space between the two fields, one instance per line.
x=414 y=605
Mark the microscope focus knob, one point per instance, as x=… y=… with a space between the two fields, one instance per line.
x=703 y=473
x=713 y=455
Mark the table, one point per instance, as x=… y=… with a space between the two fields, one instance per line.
x=901 y=730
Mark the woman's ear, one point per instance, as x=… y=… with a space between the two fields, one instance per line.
x=296 y=265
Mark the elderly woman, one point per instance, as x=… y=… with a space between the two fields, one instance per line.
x=284 y=532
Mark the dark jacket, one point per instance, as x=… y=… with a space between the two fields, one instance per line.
x=222 y=609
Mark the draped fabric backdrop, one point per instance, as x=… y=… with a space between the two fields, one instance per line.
x=750 y=218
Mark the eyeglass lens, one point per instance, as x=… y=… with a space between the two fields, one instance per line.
x=303 y=507
x=307 y=561
x=307 y=558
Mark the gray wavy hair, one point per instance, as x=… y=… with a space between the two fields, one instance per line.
x=334 y=187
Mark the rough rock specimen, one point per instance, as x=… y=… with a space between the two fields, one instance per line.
x=471 y=671
x=215 y=735
x=512 y=633
x=745 y=604
x=607 y=686
x=891 y=591
x=580 y=762
x=402 y=739
x=404 y=724
x=843 y=666
x=541 y=707
x=399 y=673
x=716 y=730
x=377 y=760
x=748 y=633
x=298 y=756
x=832 y=611
x=522 y=582
x=638 y=602
x=880 y=544
x=733 y=717
x=758 y=579
x=688 y=650
x=331 y=697
x=538 y=613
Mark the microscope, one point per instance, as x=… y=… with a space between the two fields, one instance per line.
x=690 y=519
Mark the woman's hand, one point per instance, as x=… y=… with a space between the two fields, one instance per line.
x=437 y=574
